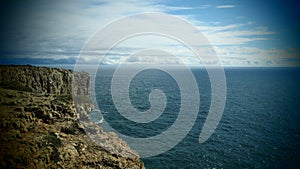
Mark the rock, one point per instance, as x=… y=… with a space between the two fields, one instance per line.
x=39 y=124
x=19 y=109
x=44 y=80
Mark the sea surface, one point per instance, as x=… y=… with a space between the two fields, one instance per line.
x=260 y=126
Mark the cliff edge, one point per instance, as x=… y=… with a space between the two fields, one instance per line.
x=39 y=124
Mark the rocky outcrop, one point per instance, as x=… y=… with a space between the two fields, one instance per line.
x=39 y=124
x=44 y=80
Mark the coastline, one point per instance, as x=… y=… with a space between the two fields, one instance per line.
x=40 y=126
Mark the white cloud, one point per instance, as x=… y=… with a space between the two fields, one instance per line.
x=225 y=6
x=231 y=34
x=51 y=26
x=204 y=6
x=64 y=28
x=253 y=56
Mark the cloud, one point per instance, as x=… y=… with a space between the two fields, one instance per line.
x=204 y=6
x=253 y=56
x=46 y=27
x=57 y=31
x=225 y=6
x=231 y=34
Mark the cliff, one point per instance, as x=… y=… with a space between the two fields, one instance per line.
x=39 y=124
x=44 y=80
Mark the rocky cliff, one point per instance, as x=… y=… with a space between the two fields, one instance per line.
x=44 y=80
x=39 y=124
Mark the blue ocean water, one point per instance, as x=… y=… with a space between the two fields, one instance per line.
x=260 y=127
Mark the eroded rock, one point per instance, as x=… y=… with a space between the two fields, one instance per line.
x=39 y=124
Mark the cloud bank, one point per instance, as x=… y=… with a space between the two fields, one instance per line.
x=55 y=32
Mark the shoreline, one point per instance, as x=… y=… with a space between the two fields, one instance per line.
x=40 y=126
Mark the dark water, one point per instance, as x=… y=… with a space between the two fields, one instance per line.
x=260 y=127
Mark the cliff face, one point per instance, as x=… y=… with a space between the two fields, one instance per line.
x=44 y=80
x=39 y=124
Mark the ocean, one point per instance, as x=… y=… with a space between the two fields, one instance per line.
x=260 y=126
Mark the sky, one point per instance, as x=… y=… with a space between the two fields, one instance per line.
x=242 y=33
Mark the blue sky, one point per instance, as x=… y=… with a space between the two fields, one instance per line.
x=243 y=33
